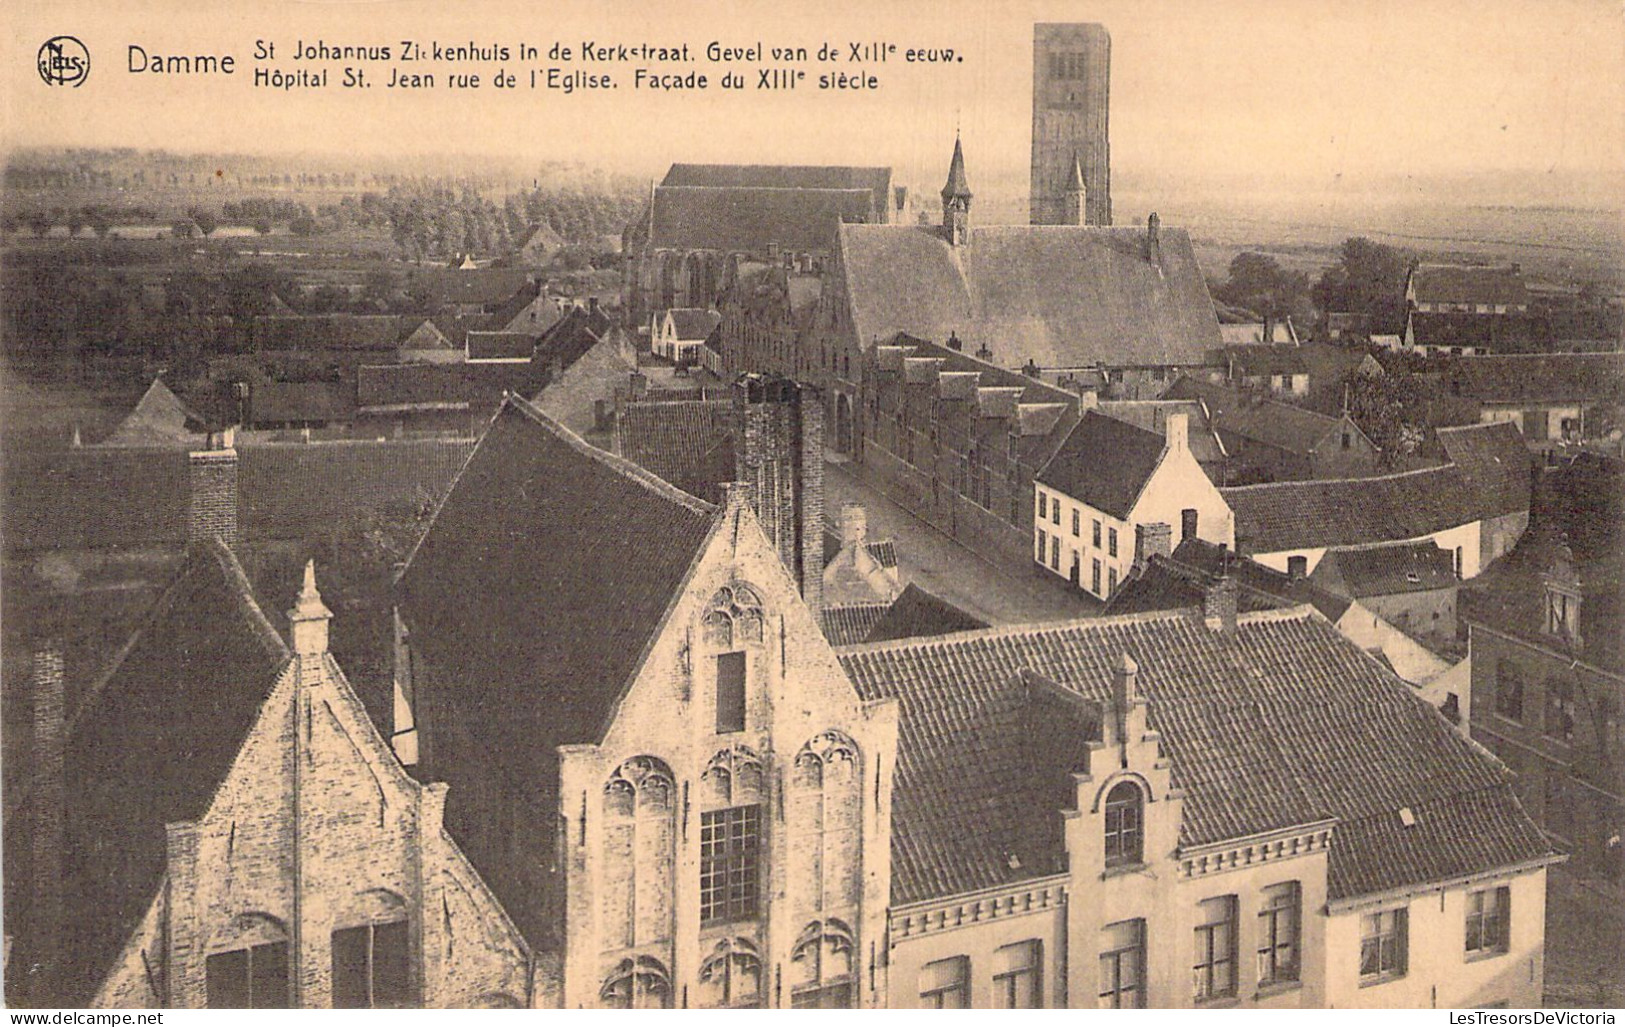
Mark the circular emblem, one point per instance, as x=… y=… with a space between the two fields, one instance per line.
x=63 y=61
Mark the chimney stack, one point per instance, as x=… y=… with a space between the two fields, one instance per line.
x=1088 y=399
x=1219 y=606
x=1153 y=241
x=780 y=454
x=1176 y=431
x=212 y=499
x=1154 y=539
x=854 y=525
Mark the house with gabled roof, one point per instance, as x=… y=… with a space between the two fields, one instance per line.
x=679 y=333
x=673 y=787
x=1109 y=488
x=1193 y=809
x=1268 y=440
x=218 y=823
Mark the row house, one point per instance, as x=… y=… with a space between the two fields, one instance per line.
x=1109 y=484
x=1548 y=678
x=1267 y=440
x=1554 y=399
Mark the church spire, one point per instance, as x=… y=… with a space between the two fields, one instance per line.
x=956 y=197
x=1076 y=203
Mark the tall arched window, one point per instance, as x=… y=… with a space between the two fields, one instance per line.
x=822 y=974
x=731 y=976
x=638 y=983
x=639 y=814
x=247 y=966
x=732 y=621
x=733 y=798
x=1125 y=809
x=826 y=809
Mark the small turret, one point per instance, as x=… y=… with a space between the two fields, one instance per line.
x=956 y=197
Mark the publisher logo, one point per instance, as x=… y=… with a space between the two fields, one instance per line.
x=63 y=61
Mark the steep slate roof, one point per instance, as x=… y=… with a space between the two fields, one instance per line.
x=159 y=419
x=1351 y=511
x=1060 y=296
x=693 y=322
x=154 y=742
x=1180 y=581
x=688 y=443
x=1495 y=463
x=877 y=181
x=1247 y=415
x=510 y=547
x=1152 y=415
x=749 y=219
x=1104 y=463
x=1287 y=723
x=917 y=613
x=1535 y=378
x=1463 y=283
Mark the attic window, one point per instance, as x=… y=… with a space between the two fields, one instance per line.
x=1406 y=817
x=1413 y=577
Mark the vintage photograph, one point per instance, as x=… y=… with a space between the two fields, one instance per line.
x=883 y=505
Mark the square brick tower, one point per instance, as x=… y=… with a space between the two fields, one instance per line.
x=1071 y=103
x=779 y=454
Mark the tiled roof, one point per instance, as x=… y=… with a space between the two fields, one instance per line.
x=1287 y=723
x=883 y=552
x=1462 y=283
x=851 y=623
x=1387 y=570
x=159 y=419
x=484 y=287
x=1495 y=463
x=1258 y=418
x=1152 y=415
x=1510 y=333
x=693 y=322
x=1180 y=581
x=1262 y=359
x=154 y=742
x=500 y=345
x=877 y=181
x=917 y=613
x=543 y=529
x=371 y=332
x=688 y=443
x=571 y=398
x=1104 y=463
x=1351 y=511
x=1060 y=296
x=751 y=219
x=1548 y=377
x=289 y=402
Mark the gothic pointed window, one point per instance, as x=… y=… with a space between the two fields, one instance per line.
x=826 y=806
x=821 y=966
x=639 y=816
x=732 y=622
x=641 y=982
x=731 y=975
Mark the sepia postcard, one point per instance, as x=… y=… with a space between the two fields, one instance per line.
x=847 y=505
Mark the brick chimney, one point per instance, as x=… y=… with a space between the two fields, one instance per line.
x=1153 y=239
x=1154 y=539
x=1176 y=432
x=308 y=622
x=779 y=454
x=854 y=526
x=212 y=490
x=1219 y=606
x=1125 y=694
x=49 y=712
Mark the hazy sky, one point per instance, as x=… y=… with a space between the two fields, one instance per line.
x=1259 y=92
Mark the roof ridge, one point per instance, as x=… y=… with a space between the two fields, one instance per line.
x=1447 y=466
x=618 y=464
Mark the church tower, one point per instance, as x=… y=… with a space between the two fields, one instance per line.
x=1071 y=99
x=956 y=197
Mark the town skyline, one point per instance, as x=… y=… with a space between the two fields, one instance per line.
x=1514 y=109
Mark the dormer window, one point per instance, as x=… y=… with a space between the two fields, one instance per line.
x=1562 y=614
x=1124 y=824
